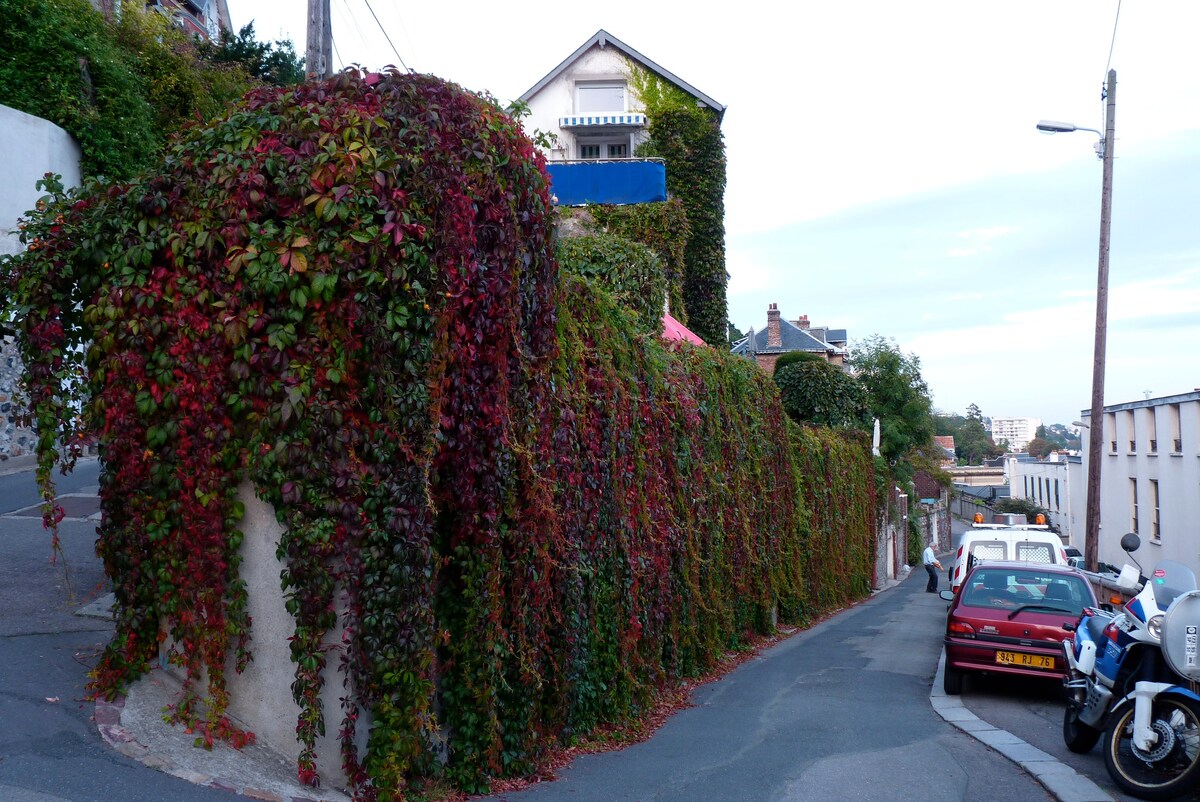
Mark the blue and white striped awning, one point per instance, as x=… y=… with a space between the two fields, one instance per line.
x=629 y=119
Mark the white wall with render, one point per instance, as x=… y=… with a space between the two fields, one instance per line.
x=31 y=147
x=260 y=698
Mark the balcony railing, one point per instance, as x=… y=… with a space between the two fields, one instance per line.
x=616 y=181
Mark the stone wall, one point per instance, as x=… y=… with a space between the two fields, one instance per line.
x=15 y=440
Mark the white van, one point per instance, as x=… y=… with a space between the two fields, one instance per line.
x=1008 y=537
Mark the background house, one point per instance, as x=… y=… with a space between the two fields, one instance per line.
x=204 y=19
x=595 y=121
x=786 y=336
x=587 y=102
x=945 y=442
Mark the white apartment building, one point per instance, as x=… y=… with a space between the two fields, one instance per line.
x=1149 y=480
x=1017 y=431
x=1051 y=485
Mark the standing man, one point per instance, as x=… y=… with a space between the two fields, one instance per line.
x=932 y=566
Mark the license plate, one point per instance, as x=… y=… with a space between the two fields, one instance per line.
x=1024 y=660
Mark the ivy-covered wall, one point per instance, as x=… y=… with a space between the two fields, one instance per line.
x=346 y=294
x=662 y=227
x=690 y=141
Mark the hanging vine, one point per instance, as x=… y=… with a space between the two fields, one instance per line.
x=526 y=515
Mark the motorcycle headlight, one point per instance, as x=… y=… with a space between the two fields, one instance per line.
x=1154 y=626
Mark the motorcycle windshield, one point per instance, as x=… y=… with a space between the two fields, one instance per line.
x=1171 y=579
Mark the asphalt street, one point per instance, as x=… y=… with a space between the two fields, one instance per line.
x=50 y=750
x=840 y=711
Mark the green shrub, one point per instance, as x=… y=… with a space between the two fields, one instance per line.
x=627 y=269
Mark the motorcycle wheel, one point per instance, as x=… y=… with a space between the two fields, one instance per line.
x=952 y=681
x=1173 y=767
x=1078 y=737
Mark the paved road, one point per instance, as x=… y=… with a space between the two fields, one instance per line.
x=18 y=489
x=840 y=711
x=49 y=748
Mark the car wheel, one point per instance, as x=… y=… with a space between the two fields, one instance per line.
x=952 y=681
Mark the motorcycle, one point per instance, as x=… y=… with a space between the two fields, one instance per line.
x=1133 y=677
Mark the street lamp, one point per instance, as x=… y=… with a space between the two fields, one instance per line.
x=1096 y=419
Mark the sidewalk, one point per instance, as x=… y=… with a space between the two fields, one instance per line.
x=1066 y=784
x=10 y=465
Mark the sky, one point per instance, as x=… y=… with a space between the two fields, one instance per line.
x=885 y=174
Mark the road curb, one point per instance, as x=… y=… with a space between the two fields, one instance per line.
x=1062 y=781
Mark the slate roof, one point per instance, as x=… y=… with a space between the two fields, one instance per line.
x=793 y=338
x=604 y=39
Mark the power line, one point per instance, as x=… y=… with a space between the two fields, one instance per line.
x=385 y=34
x=348 y=14
x=338 y=55
x=1113 y=44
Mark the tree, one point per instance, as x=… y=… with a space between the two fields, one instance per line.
x=1040 y=447
x=792 y=357
x=120 y=86
x=735 y=333
x=1026 y=506
x=276 y=64
x=947 y=424
x=972 y=444
x=898 y=396
x=816 y=392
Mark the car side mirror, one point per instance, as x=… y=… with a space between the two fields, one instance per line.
x=946 y=595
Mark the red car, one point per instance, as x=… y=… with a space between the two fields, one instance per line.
x=1008 y=619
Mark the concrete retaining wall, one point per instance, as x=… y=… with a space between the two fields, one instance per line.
x=32 y=147
x=260 y=698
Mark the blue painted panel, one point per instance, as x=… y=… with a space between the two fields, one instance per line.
x=622 y=182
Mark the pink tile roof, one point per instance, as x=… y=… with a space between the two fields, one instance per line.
x=674 y=330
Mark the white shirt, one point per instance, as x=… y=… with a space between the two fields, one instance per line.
x=929 y=558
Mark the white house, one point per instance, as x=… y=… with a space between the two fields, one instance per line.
x=588 y=104
x=1048 y=484
x=1149 y=480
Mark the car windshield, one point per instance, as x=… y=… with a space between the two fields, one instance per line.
x=1008 y=589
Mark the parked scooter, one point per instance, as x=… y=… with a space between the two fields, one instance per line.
x=1133 y=678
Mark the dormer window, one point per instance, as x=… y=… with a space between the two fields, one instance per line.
x=598 y=96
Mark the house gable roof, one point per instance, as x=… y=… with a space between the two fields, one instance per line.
x=603 y=38
x=793 y=338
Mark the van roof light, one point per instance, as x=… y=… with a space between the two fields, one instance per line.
x=979 y=517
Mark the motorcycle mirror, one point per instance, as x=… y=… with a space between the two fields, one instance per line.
x=1130 y=541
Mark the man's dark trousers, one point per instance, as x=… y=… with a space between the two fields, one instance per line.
x=931 y=586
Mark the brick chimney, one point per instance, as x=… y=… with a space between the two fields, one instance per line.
x=774 y=337
x=802 y=322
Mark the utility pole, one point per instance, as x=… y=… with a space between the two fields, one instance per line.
x=318 y=57
x=1096 y=427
